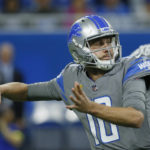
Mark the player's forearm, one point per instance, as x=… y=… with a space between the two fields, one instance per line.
x=122 y=116
x=15 y=91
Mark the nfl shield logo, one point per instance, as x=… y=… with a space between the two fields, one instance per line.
x=94 y=88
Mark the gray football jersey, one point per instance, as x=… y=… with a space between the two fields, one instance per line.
x=113 y=89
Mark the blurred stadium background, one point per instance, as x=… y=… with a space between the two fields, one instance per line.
x=37 y=31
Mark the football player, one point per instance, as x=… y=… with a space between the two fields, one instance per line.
x=108 y=93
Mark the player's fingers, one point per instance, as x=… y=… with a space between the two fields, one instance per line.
x=74 y=100
x=71 y=107
x=80 y=89
x=79 y=93
x=76 y=93
x=75 y=85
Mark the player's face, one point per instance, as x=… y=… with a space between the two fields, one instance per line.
x=98 y=45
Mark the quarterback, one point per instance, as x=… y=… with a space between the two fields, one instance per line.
x=108 y=93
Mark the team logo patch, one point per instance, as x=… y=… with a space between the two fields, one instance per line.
x=94 y=88
x=75 y=31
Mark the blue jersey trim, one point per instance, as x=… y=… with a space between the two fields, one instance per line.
x=141 y=66
x=136 y=60
x=60 y=82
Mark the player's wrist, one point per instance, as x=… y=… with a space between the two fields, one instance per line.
x=91 y=108
x=2 y=89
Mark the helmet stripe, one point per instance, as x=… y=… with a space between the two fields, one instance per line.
x=93 y=20
x=75 y=31
x=101 y=21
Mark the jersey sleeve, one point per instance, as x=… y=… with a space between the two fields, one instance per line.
x=51 y=90
x=65 y=79
x=134 y=92
x=43 y=91
x=136 y=68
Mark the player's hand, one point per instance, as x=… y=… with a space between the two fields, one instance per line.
x=81 y=101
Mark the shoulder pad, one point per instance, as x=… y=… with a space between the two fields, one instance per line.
x=136 y=68
x=67 y=67
x=71 y=67
x=60 y=78
x=143 y=50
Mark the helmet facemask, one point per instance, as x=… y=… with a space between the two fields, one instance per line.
x=111 y=51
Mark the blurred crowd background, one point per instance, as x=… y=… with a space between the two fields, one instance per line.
x=33 y=48
x=58 y=15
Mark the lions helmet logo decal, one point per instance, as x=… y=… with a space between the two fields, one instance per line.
x=75 y=31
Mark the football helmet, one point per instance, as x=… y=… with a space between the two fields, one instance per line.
x=89 y=28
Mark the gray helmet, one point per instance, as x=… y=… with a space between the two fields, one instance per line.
x=88 y=28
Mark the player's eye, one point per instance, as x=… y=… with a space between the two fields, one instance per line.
x=101 y=42
x=109 y=40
